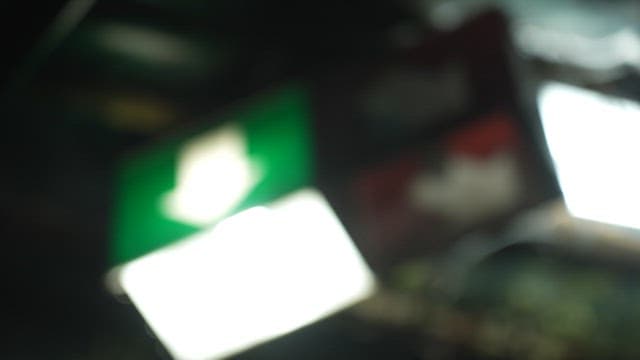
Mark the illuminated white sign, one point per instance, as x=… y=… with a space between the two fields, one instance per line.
x=257 y=275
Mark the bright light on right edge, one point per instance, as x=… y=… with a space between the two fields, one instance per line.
x=260 y=274
x=594 y=142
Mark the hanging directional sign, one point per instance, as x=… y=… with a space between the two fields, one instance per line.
x=178 y=187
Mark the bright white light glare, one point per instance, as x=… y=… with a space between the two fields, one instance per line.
x=594 y=143
x=257 y=275
x=214 y=174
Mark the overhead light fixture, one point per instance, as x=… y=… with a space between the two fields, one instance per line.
x=257 y=275
x=149 y=45
x=593 y=141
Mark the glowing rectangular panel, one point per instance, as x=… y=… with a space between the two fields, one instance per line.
x=594 y=142
x=257 y=275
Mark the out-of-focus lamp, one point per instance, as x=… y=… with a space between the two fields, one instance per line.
x=221 y=243
x=594 y=141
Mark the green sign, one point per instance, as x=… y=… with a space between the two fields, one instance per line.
x=179 y=187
